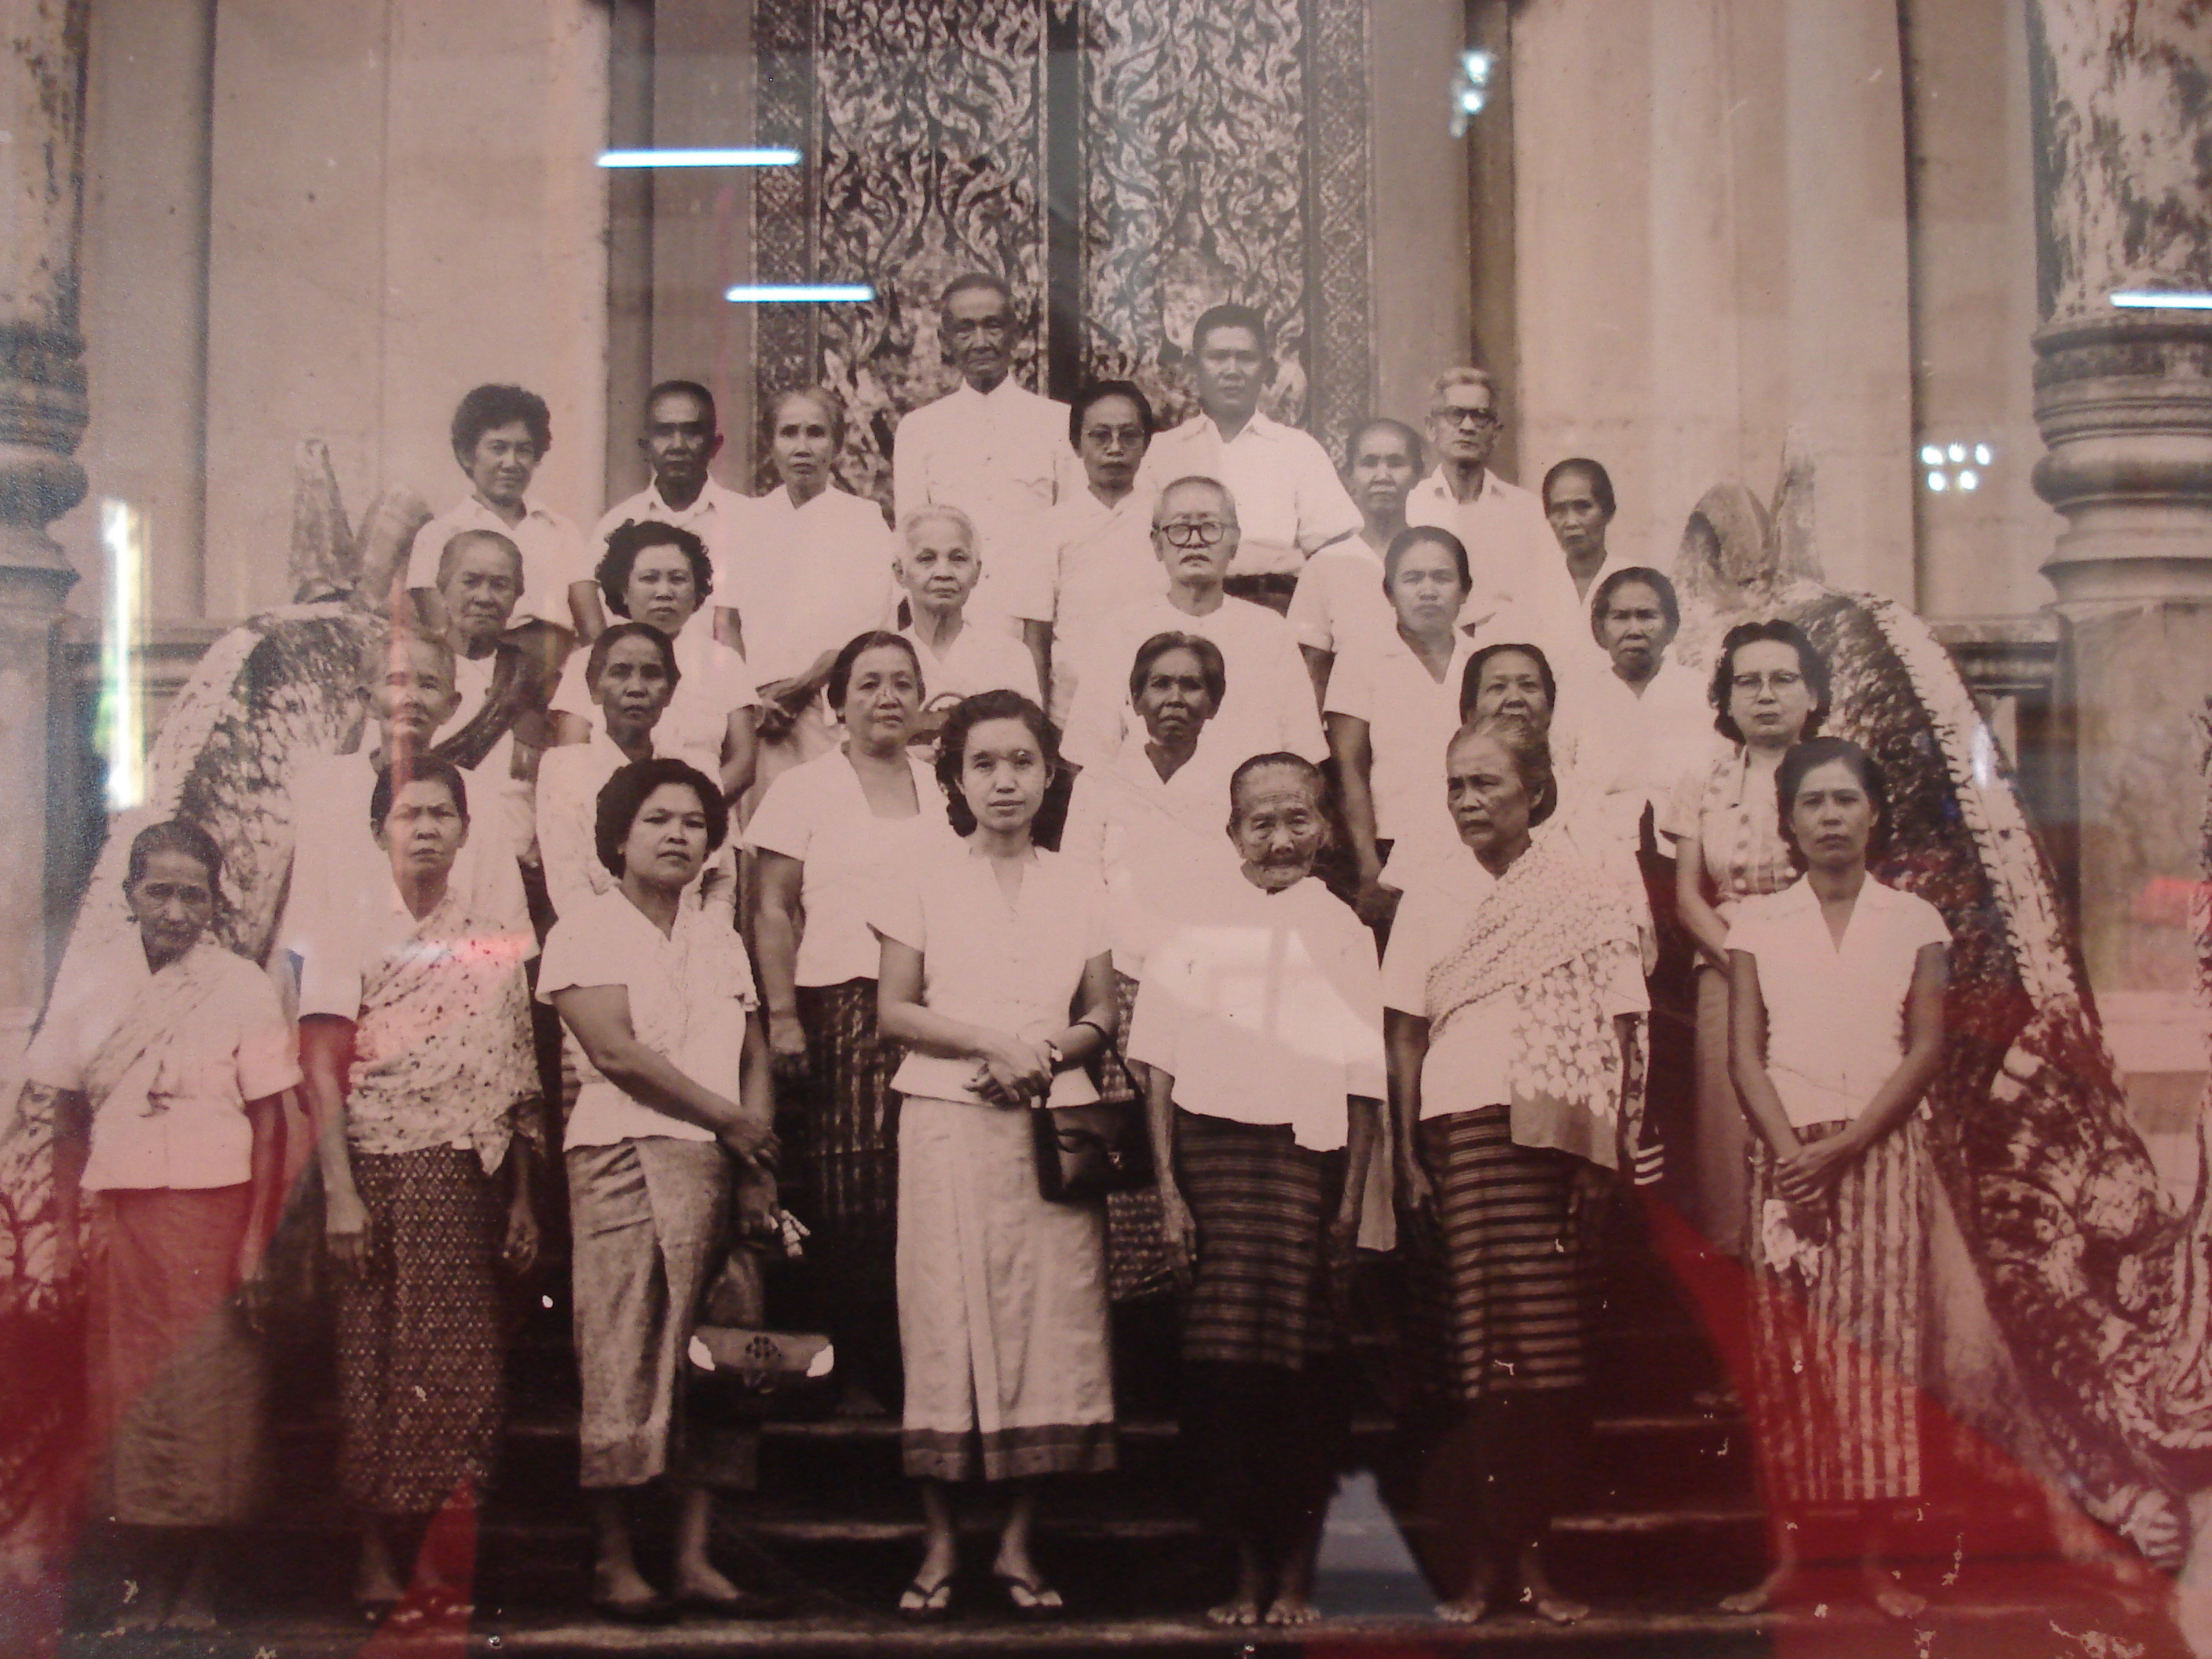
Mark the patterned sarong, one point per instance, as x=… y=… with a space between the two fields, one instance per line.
x=1260 y=1292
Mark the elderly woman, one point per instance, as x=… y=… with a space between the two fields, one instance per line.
x=165 y=1080
x=658 y=998
x=1393 y=704
x=1836 y=1030
x=996 y=974
x=1511 y=989
x=1260 y=1024
x=1771 y=690
x=415 y=1034
x=824 y=835
x=660 y=574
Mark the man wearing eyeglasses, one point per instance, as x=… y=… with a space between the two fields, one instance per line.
x=1289 y=486
x=1268 y=706
x=1509 y=543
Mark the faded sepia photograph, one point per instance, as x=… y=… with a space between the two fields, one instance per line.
x=1358 y=828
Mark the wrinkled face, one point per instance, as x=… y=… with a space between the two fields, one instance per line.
x=1769 y=698
x=1634 y=630
x=977 y=330
x=1112 y=444
x=667 y=842
x=939 y=568
x=1463 y=424
x=1488 y=803
x=1230 y=370
x=1279 y=826
x=1174 y=701
x=679 y=440
x=480 y=587
x=1380 y=474
x=1199 y=515
x=415 y=695
x=1425 y=589
x=503 y=463
x=1003 y=774
x=634 y=686
x=663 y=588
x=884 y=695
x=1578 y=521
x=803 y=443
x=423 y=831
x=1512 y=684
x=1832 y=818
x=172 y=902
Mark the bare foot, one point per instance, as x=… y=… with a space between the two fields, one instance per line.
x=1472 y=1606
x=701 y=1581
x=619 y=1584
x=1293 y=1610
x=1766 y=1593
x=1239 y=1610
x=1543 y=1597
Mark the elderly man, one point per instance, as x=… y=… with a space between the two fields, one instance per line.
x=1281 y=475
x=1339 y=591
x=499 y=435
x=683 y=435
x=990 y=447
x=1508 y=544
x=1270 y=703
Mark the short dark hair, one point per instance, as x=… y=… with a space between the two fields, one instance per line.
x=1810 y=663
x=1231 y=314
x=969 y=281
x=1809 y=756
x=1212 y=667
x=626 y=541
x=832 y=404
x=1600 y=482
x=392 y=778
x=595 y=661
x=1282 y=757
x=1389 y=423
x=1412 y=536
x=623 y=795
x=685 y=389
x=840 y=670
x=1531 y=750
x=485 y=407
x=952 y=744
x=175 y=836
x=1470 y=679
x=449 y=555
x=1095 y=392
x=1636 y=576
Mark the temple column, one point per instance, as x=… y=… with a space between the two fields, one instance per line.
x=42 y=417
x=2124 y=400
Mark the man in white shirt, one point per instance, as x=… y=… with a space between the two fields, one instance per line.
x=1098 y=539
x=938 y=567
x=1269 y=704
x=500 y=434
x=990 y=447
x=1339 y=591
x=683 y=435
x=1282 y=477
x=1508 y=544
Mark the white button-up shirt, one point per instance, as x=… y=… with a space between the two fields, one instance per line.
x=716 y=518
x=808 y=579
x=1103 y=560
x=1289 y=499
x=1631 y=749
x=1411 y=720
x=980 y=658
x=1339 y=596
x=1158 y=842
x=553 y=555
x=1510 y=549
x=1002 y=457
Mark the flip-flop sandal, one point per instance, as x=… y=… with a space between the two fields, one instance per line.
x=927 y=1603
x=1031 y=1598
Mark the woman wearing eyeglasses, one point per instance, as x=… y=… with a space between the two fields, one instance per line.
x=1770 y=690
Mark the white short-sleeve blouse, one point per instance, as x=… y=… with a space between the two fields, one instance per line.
x=1835 y=1014
x=1013 y=968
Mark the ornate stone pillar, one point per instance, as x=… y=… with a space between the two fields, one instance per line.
x=2124 y=398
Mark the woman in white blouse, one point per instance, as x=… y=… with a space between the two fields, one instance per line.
x=660 y=574
x=1836 y=1025
x=824 y=835
x=996 y=975
x=675 y=1110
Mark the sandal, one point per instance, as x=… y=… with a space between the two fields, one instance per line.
x=927 y=1604
x=1031 y=1598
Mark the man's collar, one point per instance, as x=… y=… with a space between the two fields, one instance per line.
x=1437 y=485
x=1006 y=389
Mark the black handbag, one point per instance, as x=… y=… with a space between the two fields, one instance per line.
x=1085 y=1152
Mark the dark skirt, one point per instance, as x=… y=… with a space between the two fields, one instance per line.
x=852 y=1117
x=1260 y=1293
x=1506 y=1306
x=421 y=1387
x=1136 y=1249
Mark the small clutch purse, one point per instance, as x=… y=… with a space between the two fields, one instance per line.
x=1085 y=1153
x=764 y=1362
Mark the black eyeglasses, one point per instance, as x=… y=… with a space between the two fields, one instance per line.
x=1194 y=532
x=1452 y=414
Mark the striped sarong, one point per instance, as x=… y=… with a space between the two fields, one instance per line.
x=1260 y=1292
x=1136 y=1249
x=1836 y=1351
x=1506 y=1306
x=852 y=1119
